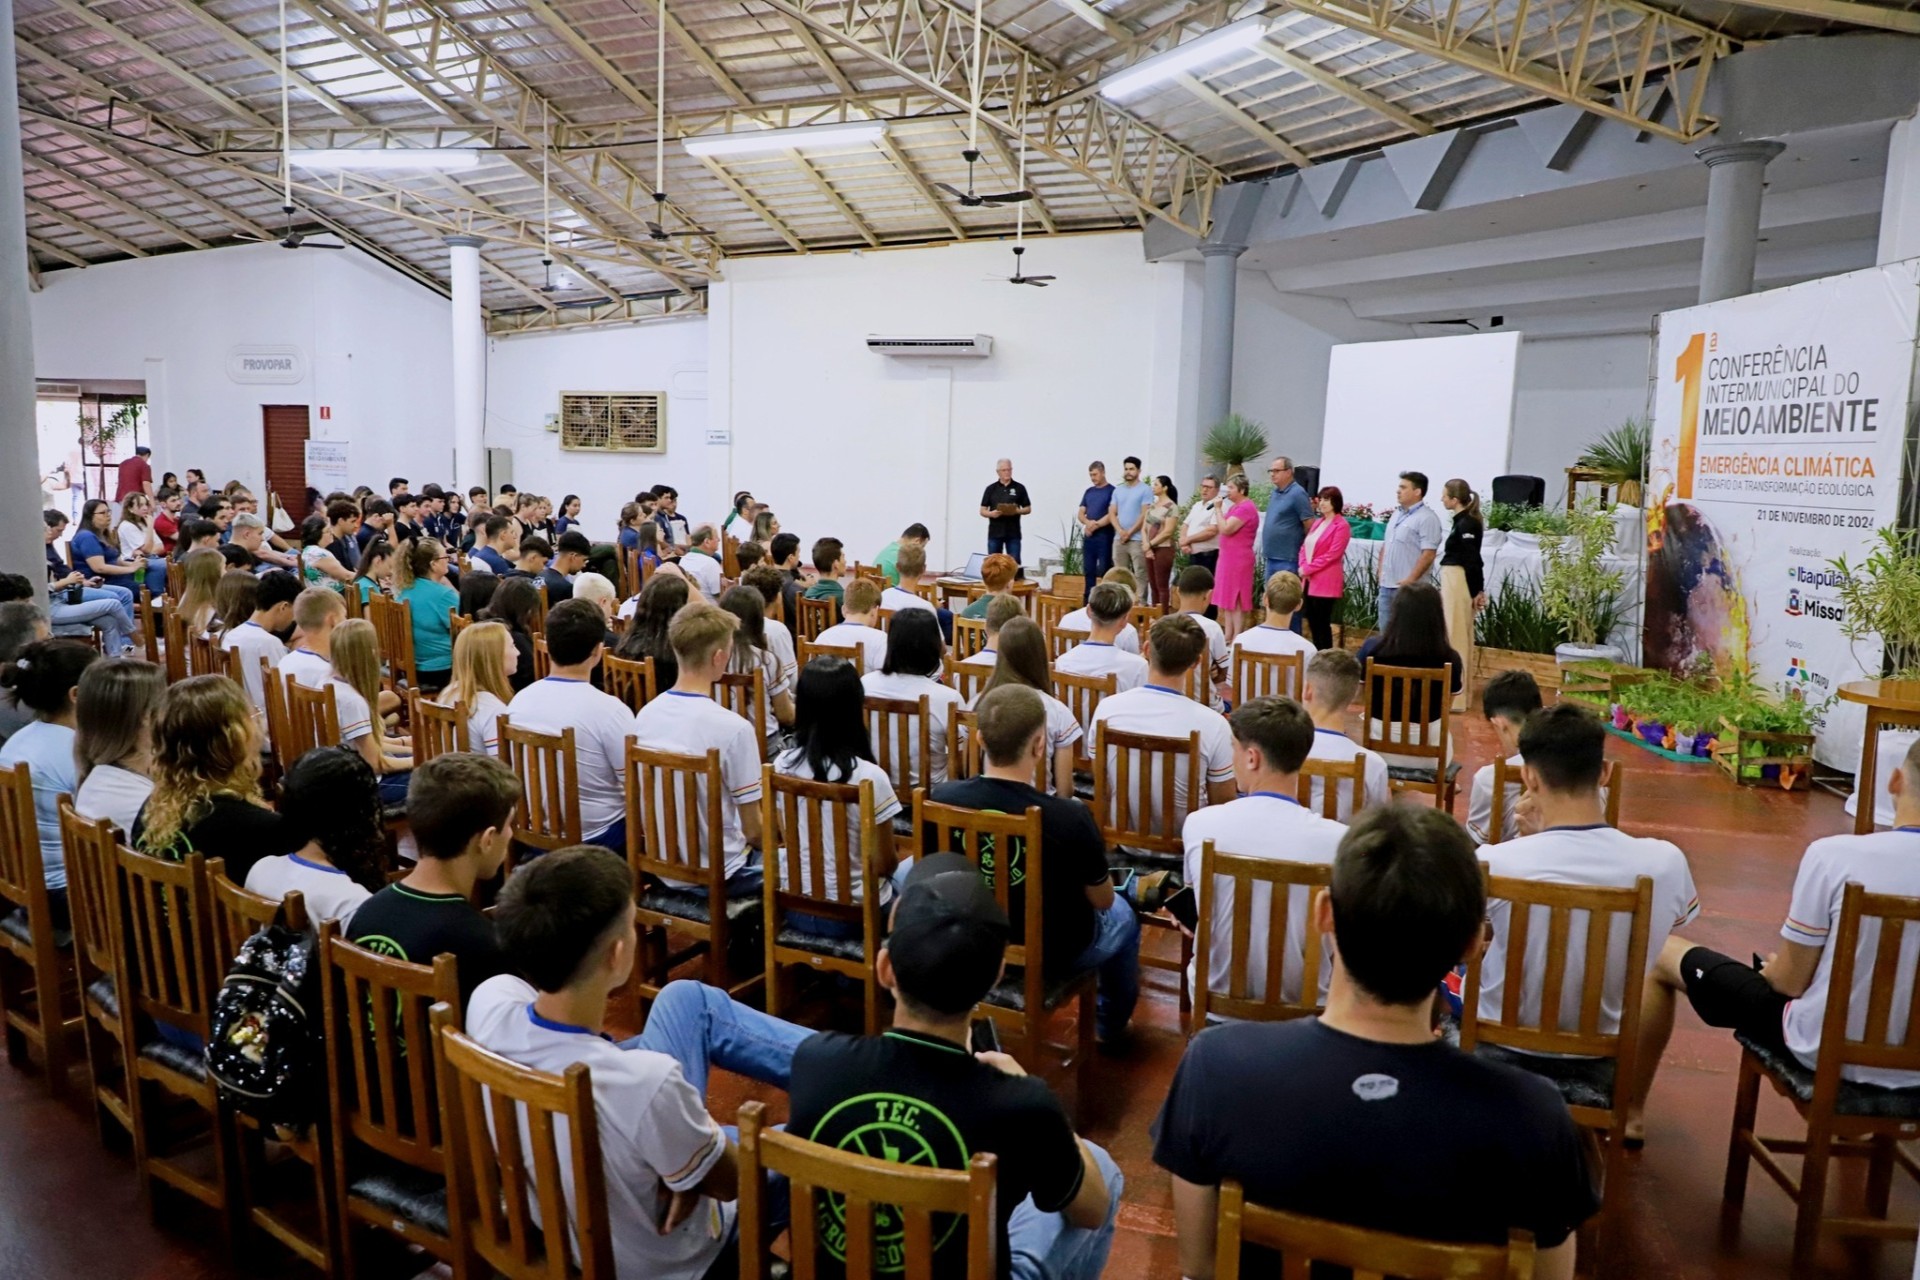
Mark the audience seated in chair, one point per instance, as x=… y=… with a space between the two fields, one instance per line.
x=1108 y=610
x=687 y=721
x=753 y=650
x=258 y=637
x=45 y=678
x=460 y=811
x=997 y=573
x=1161 y=709
x=1351 y=1137
x=566 y=923
x=482 y=656
x=653 y=609
x=911 y=670
x=1058 y=1194
x=1782 y=1004
x=1022 y=660
x=1192 y=594
x=114 y=713
x=859 y=609
x=1564 y=838
x=1416 y=636
x=206 y=781
x=1000 y=609
x=829 y=558
x=601 y=723
x=1272 y=738
x=1275 y=634
x=355 y=655
x=331 y=802
x=771 y=583
x=1127 y=638
x=1332 y=681
x=1087 y=925
x=1506 y=702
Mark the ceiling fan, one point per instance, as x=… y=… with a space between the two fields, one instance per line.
x=968 y=198
x=657 y=225
x=292 y=239
x=1020 y=275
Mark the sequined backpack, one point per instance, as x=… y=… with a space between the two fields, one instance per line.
x=265 y=1050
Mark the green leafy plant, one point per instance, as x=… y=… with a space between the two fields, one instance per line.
x=98 y=434
x=1234 y=441
x=1516 y=619
x=1881 y=596
x=1072 y=554
x=1503 y=515
x=1620 y=457
x=1577 y=589
x=1360 y=596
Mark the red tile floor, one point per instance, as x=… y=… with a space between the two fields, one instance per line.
x=68 y=1208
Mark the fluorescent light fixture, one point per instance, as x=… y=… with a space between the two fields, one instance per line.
x=384 y=159
x=812 y=135
x=1165 y=66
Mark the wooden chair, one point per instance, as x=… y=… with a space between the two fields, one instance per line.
x=969 y=636
x=901 y=731
x=631 y=680
x=456 y=623
x=1597 y=1068
x=540 y=607
x=176 y=578
x=729 y=557
x=38 y=981
x=821 y=826
x=966 y=753
x=1048 y=610
x=1027 y=999
x=387 y=1153
x=313 y=720
x=675 y=833
x=304 y=1226
x=1060 y=639
x=1305 y=1241
x=815 y=616
x=91 y=849
x=174 y=625
x=542 y=660
x=273 y=690
x=1266 y=675
x=1142 y=617
x=745 y=694
x=1404 y=693
x=166 y=972
x=1141 y=825
x=505 y=1155
x=1257 y=983
x=393 y=628
x=965 y=678
x=873 y=573
x=832 y=1186
x=1328 y=776
x=548 y=767
x=356 y=605
x=149 y=619
x=1506 y=779
x=883 y=619
x=1843 y=1119
x=1082 y=696
x=806 y=651
x=207 y=657
x=928 y=591
x=436 y=730
x=958 y=595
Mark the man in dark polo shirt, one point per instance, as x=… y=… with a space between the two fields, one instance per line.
x=1096 y=527
x=1004 y=502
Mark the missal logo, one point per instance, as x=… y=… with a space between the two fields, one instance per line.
x=1801 y=604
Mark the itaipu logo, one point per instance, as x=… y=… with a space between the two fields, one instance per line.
x=903 y=1130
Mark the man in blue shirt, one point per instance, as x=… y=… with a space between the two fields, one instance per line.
x=1096 y=527
x=1413 y=539
x=1289 y=512
x=1130 y=501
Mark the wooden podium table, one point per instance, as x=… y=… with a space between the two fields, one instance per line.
x=1890 y=704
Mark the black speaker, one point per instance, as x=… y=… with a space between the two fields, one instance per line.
x=1307 y=477
x=1520 y=491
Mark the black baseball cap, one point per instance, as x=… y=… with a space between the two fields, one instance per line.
x=949 y=935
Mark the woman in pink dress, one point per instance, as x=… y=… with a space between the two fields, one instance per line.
x=1233 y=579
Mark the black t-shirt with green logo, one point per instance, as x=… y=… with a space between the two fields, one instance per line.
x=409 y=925
x=1072 y=853
x=919 y=1100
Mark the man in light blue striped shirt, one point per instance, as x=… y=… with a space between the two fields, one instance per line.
x=1413 y=540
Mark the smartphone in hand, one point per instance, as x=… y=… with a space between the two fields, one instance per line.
x=984 y=1037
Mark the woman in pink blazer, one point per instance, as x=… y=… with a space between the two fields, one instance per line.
x=1323 y=565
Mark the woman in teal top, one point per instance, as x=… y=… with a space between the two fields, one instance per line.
x=374 y=573
x=421 y=578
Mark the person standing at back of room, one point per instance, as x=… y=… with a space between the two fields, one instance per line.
x=1130 y=500
x=1002 y=505
x=1096 y=527
x=135 y=475
x=1413 y=540
x=1288 y=516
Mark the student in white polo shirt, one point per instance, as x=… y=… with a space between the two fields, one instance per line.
x=1271 y=739
x=1022 y=660
x=1160 y=708
x=601 y=723
x=1001 y=609
x=566 y=923
x=1127 y=639
x=254 y=639
x=1783 y=1004
x=855 y=630
x=912 y=566
x=1275 y=634
x=912 y=670
x=685 y=720
x=1506 y=702
x=1108 y=606
x=1562 y=751
x=316 y=612
x=1333 y=679
x=1192 y=593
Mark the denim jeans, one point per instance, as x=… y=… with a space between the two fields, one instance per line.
x=98 y=607
x=1385 y=606
x=123 y=594
x=1041 y=1246
x=1010 y=546
x=156 y=578
x=393 y=788
x=1115 y=953
x=700 y=1027
x=1096 y=558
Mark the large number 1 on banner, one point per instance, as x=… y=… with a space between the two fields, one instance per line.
x=1686 y=372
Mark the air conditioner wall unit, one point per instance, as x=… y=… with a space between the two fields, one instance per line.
x=976 y=346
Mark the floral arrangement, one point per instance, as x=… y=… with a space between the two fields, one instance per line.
x=1359 y=511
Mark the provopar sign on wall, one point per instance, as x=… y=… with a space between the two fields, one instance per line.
x=1779 y=423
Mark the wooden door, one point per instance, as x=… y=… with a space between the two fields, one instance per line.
x=285 y=429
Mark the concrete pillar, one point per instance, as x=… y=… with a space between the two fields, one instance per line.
x=1218 y=290
x=20 y=529
x=469 y=363
x=1736 y=177
x=1900 y=200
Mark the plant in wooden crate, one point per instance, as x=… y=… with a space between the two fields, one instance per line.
x=1359 y=612
x=1766 y=736
x=1578 y=589
x=1619 y=458
x=1514 y=633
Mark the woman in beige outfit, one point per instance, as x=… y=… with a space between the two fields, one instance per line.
x=1463 y=588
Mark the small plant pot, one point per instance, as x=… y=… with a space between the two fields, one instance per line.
x=1523 y=541
x=1652 y=732
x=1683 y=743
x=1703 y=745
x=1620 y=715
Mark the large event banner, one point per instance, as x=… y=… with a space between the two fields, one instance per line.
x=1779 y=425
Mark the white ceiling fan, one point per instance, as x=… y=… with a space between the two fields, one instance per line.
x=969 y=198
x=292 y=239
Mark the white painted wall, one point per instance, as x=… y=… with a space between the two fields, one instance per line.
x=375 y=345
x=1570 y=391
x=845 y=442
x=526 y=376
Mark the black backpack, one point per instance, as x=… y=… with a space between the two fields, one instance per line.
x=265 y=1050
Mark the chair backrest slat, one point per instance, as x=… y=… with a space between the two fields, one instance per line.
x=966 y=678
x=1267 y=675
x=815 y=616
x=313 y=719
x=1135 y=787
x=745 y=694
x=675 y=824
x=1329 y=776
x=547 y=765
x=969 y=636
x=1250 y=880
x=437 y=730
x=901 y=730
x=1304 y=1241
x=629 y=679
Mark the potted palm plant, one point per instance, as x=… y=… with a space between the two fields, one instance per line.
x=1234 y=441
x=1619 y=458
x=1578 y=589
